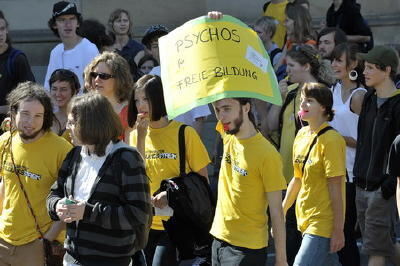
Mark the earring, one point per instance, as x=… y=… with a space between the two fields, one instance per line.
x=353 y=75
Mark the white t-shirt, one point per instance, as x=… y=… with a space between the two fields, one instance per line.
x=75 y=59
x=88 y=171
x=189 y=117
x=345 y=122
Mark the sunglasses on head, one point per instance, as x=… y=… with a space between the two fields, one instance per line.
x=103 y=76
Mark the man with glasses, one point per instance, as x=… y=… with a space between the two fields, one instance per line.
x=30 y=157
x=74 y=52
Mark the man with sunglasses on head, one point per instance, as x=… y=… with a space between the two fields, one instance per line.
x=74 y=52
x=30 y=157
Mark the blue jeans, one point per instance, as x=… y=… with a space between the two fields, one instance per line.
x=314 y=251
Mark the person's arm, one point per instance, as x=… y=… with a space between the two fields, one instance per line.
x=142 y=124
x=204 y=172
x=357 y=101
x=268 y=120
x=278 y=226
x=57 y=192
x=398 y=195
x=335 y=194
x=138 y=56
x=1 y=194
x=54 y=230
x=350 y=142
x=291 y=194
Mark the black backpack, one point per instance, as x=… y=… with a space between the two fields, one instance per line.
x=190 y=196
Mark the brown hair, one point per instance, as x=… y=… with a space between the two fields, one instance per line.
x=96 y=121
x=29 y=91
x=319 y=69
x=322 y=94
x=119 y=67
x=152 y=87
x=116 y=14
x=302 y=22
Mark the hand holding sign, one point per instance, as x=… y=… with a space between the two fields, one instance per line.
x=206 y=60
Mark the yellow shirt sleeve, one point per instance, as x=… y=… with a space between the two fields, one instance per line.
x=272 y=173
x=196 y=153
x=334 y=151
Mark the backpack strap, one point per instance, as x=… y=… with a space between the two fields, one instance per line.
x=274 y=53
x=182 y=150
x=265 y=6
x=10 y=65
x=322 y=131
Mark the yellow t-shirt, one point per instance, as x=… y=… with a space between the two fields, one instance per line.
x=162 y=156
x=288 y=134
x=249 y=168
x=277 y=11
x=327 y=159
x=38 y=164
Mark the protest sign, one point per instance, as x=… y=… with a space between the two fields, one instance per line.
x=205 y=60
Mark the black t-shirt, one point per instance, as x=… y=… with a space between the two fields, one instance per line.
x=21 y=71
x=349 y=19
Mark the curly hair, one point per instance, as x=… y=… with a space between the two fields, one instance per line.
x=119 y=67
x=28 y=91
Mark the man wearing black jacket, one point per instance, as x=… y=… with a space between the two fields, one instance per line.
x=378 y=126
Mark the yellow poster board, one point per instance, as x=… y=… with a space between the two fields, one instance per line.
x=206 y=60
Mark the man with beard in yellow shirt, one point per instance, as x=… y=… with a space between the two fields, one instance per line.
x=31 y=155
x=250 y=181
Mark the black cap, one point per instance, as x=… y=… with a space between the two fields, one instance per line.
x=381 y=55
x=64 y=8
x=153 y=31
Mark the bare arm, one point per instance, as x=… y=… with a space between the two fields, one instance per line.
x=335 y=194
x=352 y=143
x=398 y=195
x=357 y=101
x=54 y=230
x=291 y=194
x=138 y=56
x=204 y=172
x=278 y=226
x=1 y=194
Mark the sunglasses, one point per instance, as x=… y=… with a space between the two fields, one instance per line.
x=103 y=76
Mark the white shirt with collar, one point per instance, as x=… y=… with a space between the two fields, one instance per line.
x=88 y=171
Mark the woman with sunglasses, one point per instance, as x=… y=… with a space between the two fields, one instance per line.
x=303 y=66
x=110 y=76
x=156 y=138
x=318 y=184
x=64 y=84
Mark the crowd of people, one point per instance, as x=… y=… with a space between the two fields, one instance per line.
x=85 y=155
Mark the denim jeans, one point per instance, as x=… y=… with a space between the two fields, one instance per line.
x=159 y=250
x=314 y=251
x=224 y=253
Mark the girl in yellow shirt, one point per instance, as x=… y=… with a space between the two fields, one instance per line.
x=318 y=185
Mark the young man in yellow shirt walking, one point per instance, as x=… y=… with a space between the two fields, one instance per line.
x=31 y=155
x=250 y=181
